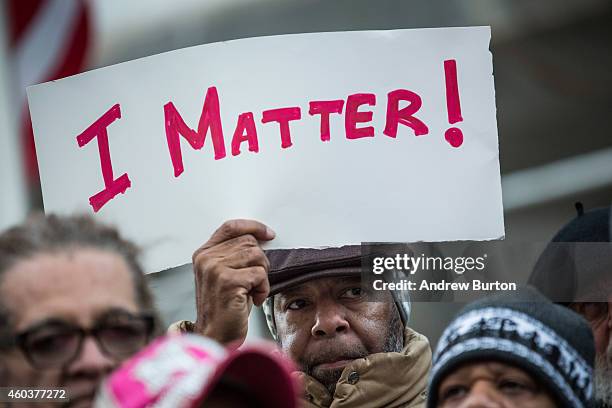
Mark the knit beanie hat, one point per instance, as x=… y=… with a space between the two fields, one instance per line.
x=578 y=259
x=523 y=329
x=293 y=267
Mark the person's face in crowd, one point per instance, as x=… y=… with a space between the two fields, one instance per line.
x=492 y=384
x=51 y=298
x=326 y=323
x=599 y=316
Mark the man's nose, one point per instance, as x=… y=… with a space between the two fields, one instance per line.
x=91 y=361
x=330 y=320
x=482 y=395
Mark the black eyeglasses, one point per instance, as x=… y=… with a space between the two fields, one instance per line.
x=56 y=343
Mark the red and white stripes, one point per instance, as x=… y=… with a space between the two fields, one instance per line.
x=49 y=39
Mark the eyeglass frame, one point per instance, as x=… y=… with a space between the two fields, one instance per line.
x=20 y=339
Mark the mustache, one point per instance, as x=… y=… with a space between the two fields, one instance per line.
x=333 y=351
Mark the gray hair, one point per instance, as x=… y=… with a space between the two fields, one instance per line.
x=53 y=234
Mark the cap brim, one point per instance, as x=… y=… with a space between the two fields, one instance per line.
x=294 y=281
x=263 y=374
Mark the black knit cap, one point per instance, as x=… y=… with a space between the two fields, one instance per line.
x=523 y=329
x=578 y=259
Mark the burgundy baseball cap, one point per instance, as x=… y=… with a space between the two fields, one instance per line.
x=184 y=370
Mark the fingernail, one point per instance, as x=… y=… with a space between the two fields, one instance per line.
x=270 y=233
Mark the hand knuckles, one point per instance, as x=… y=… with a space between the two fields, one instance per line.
x=212 y=268
x=226 y=280
x=255 y=251
x=260 y=271
x=229 y=227
x=247 y=239
x=199 y=263
x=249 y=253
x=203 y=252
x=196 y=256
x=262 y=259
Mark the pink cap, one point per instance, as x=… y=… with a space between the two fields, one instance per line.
x=181 y=371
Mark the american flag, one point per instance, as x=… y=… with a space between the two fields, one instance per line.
x=48 y=39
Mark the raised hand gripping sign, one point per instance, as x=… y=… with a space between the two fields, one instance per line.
x=329 y=138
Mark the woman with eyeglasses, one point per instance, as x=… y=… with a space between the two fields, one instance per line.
x=73 y=305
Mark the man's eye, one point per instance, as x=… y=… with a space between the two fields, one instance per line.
x=453 y=393
x=352 y=293
x=297 y=304
x=514 y=387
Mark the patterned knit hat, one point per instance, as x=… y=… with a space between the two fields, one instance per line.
x=181 y=371
x=523 y=329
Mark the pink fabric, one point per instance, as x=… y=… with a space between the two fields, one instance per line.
x=180 y=370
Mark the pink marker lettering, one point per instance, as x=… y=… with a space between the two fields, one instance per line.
x=404 y=115
x=112 y=186
x=209 y=119
x=282 y=116
x=325 y=108
x=353 y=116
x=245 y=132
x=453 y=135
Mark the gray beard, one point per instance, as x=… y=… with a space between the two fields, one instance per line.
x=395 y=337
x=394 y=343
x=603 y=378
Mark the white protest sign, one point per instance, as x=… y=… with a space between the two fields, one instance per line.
x=328 y=138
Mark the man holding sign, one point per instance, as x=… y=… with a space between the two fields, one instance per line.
x=351 y=346
x=186 y=139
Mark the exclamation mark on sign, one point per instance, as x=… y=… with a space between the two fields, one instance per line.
x=453 y=135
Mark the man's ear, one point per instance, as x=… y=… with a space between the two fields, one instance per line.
x=269 y=307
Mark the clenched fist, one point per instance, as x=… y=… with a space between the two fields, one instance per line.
x=231 y=274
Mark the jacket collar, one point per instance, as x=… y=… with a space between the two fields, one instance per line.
x=381 y=379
